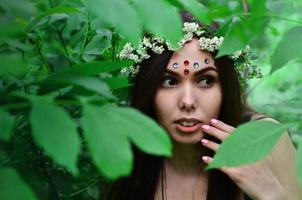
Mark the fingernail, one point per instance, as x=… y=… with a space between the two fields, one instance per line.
x=204 y=158
x=204 y=141
x=214 y=121
x=206 y=127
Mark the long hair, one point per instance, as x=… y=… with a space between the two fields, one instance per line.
x=147 y=170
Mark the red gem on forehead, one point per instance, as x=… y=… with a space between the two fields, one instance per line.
x=186 y=71
x=186 y=63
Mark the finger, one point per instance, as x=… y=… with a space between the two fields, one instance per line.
x=211 y=130
x=207 y=159
x=222 y=126
x=210 y=144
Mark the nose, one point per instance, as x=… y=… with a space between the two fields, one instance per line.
x=187 y=100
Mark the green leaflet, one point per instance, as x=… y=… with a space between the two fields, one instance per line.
x=197 y=9
x=55 y=10
x=12 y=187
x=116 y=12
x=249 y=143
x=109 y=130
x=6 y=125
x=56 y=133
x=97 y=67
x=241 y=33
x=161 y=19
x=289 y=48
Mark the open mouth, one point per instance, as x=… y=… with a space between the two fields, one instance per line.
x=188 y=124
x=188 y=128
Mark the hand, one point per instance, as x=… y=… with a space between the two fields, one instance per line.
x=256 y=180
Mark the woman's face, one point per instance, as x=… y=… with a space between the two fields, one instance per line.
x=189 y=95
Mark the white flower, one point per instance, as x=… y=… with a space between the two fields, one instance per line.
x=200 y=32
x=190 y=27
x=236 y=55
x=147 y=42
x=134 y=57
x=210 y=44
x=157 y=49
x=158 y=39
x=127 y=50
x=124 y=72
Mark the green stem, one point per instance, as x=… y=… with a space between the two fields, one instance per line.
x=39 y=47
x=245 y=6
x=60 y=35
x=47 y=173
x=81 y=190
x=59 y=32
x=285 y=19
x=86 y=35
x=113 y=43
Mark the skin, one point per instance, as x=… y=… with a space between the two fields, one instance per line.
x=182 y=95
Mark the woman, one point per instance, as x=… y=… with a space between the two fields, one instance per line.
x=197 y=99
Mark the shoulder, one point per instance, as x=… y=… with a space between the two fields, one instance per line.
x=282 y=159
x=260 y=116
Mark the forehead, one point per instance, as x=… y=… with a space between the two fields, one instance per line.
x=190 y=52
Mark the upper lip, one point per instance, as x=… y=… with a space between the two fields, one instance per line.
x=188 y=119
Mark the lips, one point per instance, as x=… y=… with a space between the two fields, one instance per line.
x=188 y=119
x=188 y=129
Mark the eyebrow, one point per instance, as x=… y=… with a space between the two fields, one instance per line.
x=210 y=68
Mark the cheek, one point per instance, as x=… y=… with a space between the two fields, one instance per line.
x=164 y=106
x=211 y=102
x=216 y=101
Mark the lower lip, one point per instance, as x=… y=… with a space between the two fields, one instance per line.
x=190 y=129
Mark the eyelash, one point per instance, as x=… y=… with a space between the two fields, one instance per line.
x=203 y=78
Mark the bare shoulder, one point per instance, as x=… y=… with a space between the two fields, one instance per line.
x=282 y=161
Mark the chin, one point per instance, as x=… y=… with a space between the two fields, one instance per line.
x=186 y=138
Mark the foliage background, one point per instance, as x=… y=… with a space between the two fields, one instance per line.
x=63 y=132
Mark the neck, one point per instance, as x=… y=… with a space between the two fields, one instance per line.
x=186 y=159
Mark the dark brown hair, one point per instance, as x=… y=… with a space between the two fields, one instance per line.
x=142 y=183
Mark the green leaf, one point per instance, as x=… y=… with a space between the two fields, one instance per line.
x=236 y=39
x=26 y=9
x=224 y=27
x=289 y=48
x=197 y=9
x=10 y=31
x=12 y=187
x=292 y=106
x=88 y=82
x=115 y=12
x=258 y=7
x=241 y=34
x=56 y=133
x=108 y=131
x=97 y=45
x=12 y=64
x=161 y=19
x=117 y=82
x=6 y=125
x=55 y=10
x=249 y=143
x=155 y=141
x=109 y=146
x=97 y=67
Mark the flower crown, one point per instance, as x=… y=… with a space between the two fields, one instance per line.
x=207 y=41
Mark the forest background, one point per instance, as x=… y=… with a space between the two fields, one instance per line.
x=65 y=132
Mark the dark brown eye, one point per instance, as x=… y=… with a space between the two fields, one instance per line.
x=206 y=81
x=168 y=81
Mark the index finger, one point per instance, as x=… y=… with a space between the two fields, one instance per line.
x=222 y=126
